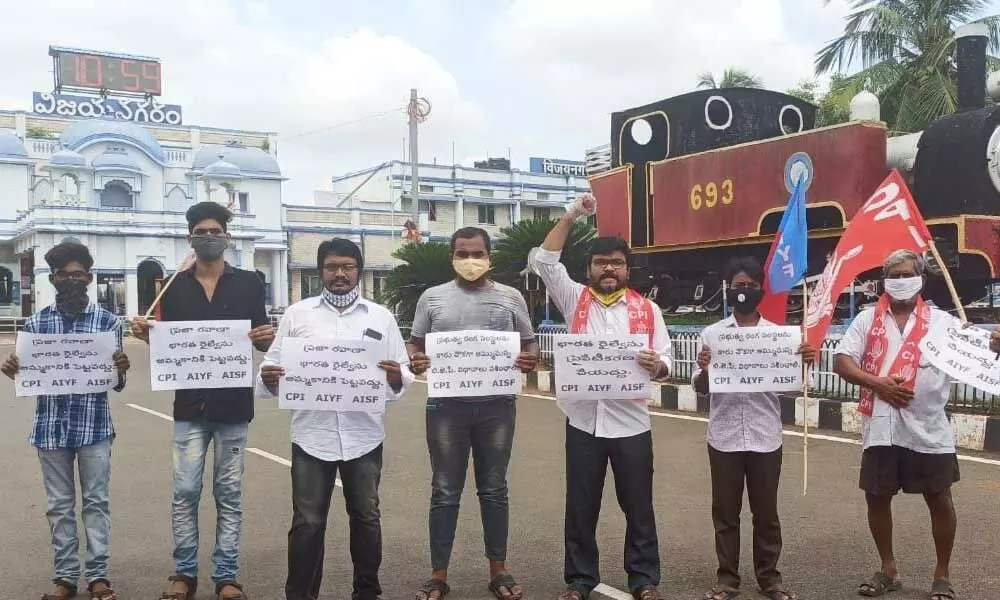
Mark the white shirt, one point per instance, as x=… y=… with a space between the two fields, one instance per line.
x=742 y=422
x=328 y=435
x=600 y=418
x=922 y=426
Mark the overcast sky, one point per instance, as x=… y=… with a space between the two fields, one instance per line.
x=539 y=77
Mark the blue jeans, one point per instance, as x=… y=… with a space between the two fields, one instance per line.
x=191 y=442
x=454 y=428
x=95 y=474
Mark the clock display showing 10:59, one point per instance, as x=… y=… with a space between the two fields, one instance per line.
x=94 y=71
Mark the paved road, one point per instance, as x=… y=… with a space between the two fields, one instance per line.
x=827 y=549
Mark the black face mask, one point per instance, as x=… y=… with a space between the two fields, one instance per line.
x=745 y=300
x=71 y=296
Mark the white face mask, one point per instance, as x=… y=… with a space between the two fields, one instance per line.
x=903 y=289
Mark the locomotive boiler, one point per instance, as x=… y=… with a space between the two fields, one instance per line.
x=701 y=177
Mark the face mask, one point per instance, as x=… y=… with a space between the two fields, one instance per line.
x=471 y=269
x=71 y=296
x=209 y=247
x=607 y=299
x=745 y=300
x=341 y=300
x=903 y=289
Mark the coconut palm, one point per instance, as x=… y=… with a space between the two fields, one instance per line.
x=731 y=78
x=425 y=265
x=510 y=251
x=906 y=50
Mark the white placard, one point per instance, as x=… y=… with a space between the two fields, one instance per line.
x=186 y=355
x=754 y=359
x=473 y=363
x=337 y=375
x=600 y=367
x=65 y=363
x=965 y=355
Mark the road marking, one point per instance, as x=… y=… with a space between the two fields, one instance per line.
x=271 y=457
x=610 y=592
x=790 y=433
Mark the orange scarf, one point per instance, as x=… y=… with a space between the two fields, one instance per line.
x=640 y=313
x=876 y=346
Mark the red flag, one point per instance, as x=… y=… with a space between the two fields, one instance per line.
x=773 y=307
x=887 y=222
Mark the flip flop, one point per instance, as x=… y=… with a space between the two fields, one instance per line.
x=879 y=585
x=942 y=589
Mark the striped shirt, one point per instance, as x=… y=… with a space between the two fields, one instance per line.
x=73 y=420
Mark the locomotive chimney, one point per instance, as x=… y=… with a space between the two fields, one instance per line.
x=970 y=50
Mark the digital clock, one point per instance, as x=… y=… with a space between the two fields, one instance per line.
x=104 y=71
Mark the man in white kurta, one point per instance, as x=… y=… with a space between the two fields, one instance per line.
x=606 y=430
x=907 y=438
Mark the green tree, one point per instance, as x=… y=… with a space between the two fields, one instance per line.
x=907 y=55
x=425 y=265
x=510 y=251
x=731 y=78
x=832 y=107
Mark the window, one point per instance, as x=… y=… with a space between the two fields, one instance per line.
x=116 y=194
x=486 y=193
x=426 y=189
x=431 y=206
x=379 y=279
x=244 y=202
x=487 y=215
x=542 y=195
x=543 y=214
x=70 y=185
x=312 y=285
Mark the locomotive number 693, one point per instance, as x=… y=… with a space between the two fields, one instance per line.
x=711 y=194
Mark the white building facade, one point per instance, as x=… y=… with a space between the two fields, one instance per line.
x=372 y=206
x=122 y=189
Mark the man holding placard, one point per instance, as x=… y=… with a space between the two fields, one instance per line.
x=74 y=427
x=744 y=427
x=324 y=348
x=603 y=429
x=212 y=293
x=907 y=438
x=477 y=419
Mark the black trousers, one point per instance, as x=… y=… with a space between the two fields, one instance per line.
x=761 y=471
x=631 y=461
x=312 y=489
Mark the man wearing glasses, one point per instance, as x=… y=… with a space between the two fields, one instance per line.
x=210 y=290
x=75 y=428
x=615 y=430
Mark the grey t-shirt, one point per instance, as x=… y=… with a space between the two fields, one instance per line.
x=451 y=307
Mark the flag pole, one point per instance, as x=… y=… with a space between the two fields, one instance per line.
x=805 y=394
x=163 y=290
x=949 y=283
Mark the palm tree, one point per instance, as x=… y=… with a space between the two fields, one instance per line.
x=510 y=252
x=907 y=50
x=731 y=78
x=425 y=265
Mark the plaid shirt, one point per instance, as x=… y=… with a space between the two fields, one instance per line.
x=73 y=420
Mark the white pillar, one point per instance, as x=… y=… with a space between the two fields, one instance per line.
x=275 y=278
x=45 y=294
x=283 y=294
x=131 y=293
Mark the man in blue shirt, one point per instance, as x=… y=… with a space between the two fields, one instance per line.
x=75 y=428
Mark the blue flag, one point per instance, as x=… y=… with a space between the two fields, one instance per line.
x=786 y=266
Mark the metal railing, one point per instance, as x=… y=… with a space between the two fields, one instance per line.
x=824 y=382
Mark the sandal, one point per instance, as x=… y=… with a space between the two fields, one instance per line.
x=106 y=594
x=647 y=592
x=190 y=582
x=571 y=594
x=941 y=589
x=71 y=590
x=239 y=595
x=778 y=593
x=431 y=586
x=879 y=585
x=505 y=581
x=721 y=593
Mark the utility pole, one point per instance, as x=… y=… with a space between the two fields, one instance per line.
x=418 y=110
